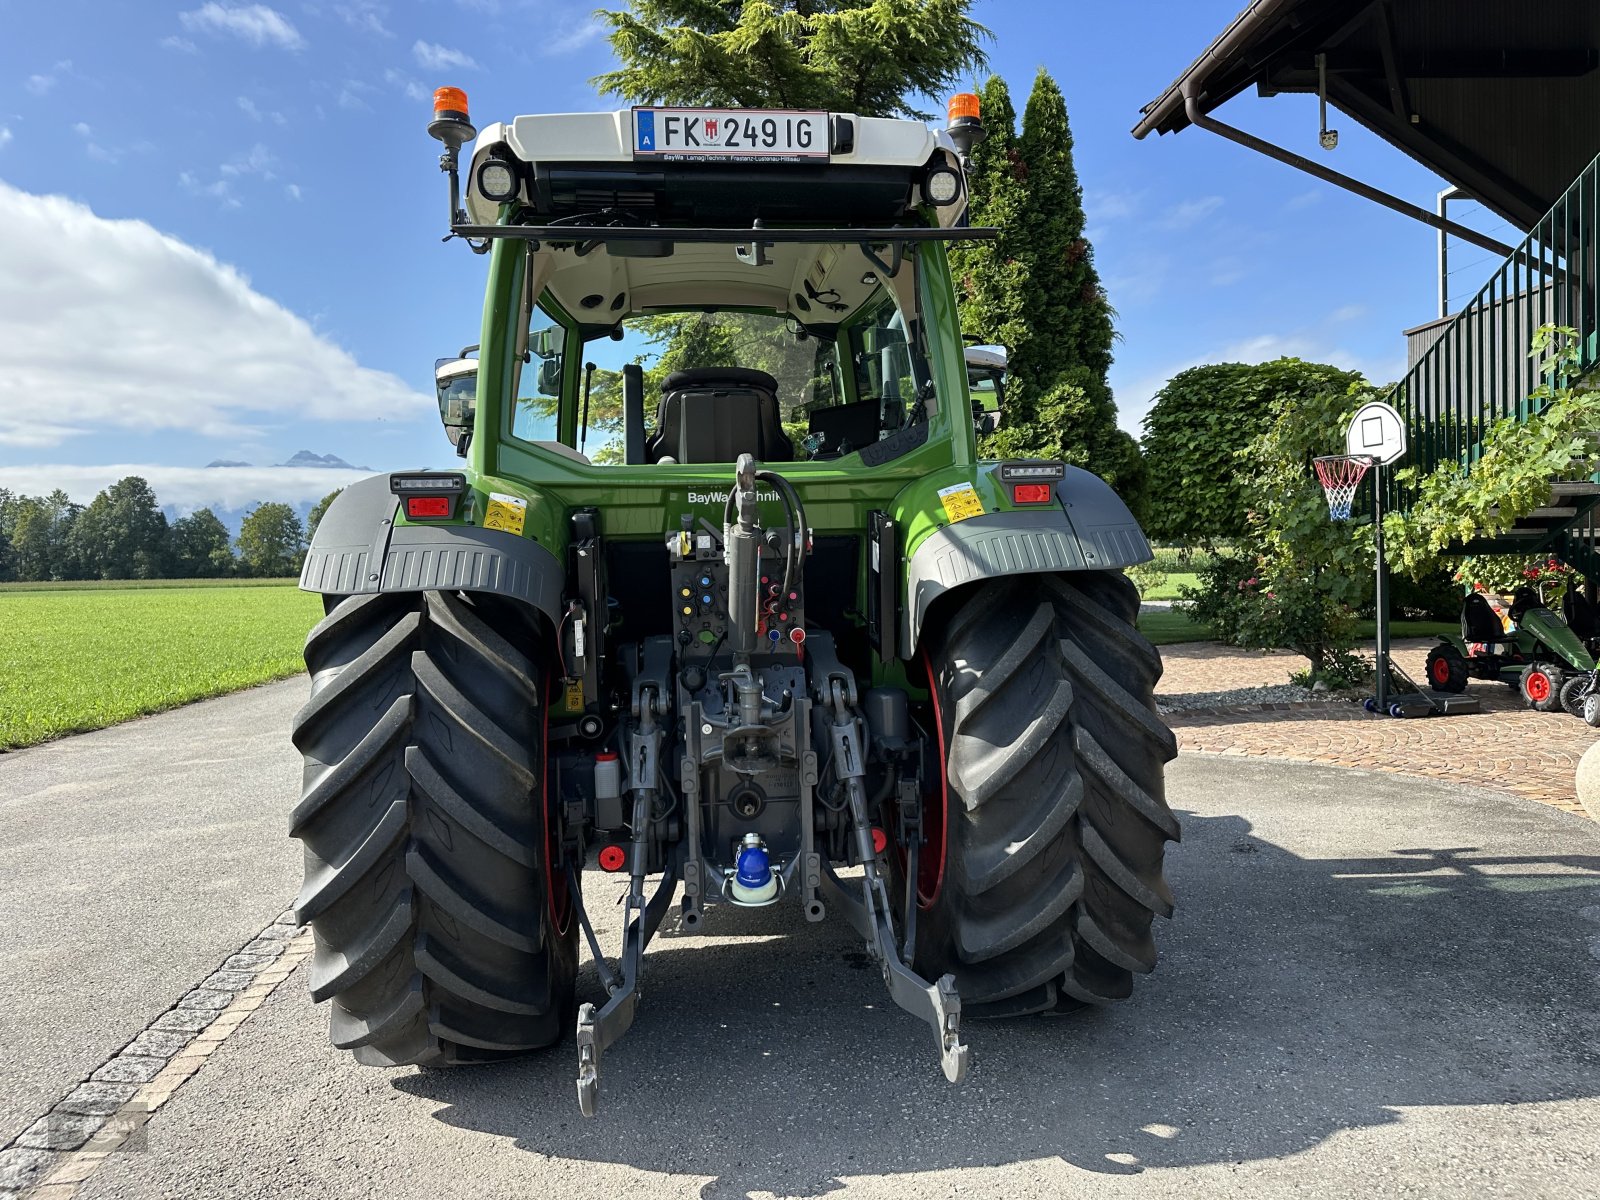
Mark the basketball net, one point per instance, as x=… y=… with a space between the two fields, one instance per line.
x=1340 y=475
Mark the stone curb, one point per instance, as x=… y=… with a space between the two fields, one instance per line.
x=52 y=1156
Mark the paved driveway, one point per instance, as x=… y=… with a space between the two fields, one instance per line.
x=1374 y=986
x=132 y=862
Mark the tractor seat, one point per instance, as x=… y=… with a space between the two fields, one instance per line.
x=1579 y=613
x=715 y=414
x=1523 y=600
x=1480 y=623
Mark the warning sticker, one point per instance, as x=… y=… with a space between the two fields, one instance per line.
x=573 y=700
x=960 y=502
x=505 y=512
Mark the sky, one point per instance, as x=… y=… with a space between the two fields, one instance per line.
x=220 y=223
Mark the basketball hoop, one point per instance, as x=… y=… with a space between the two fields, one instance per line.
x=1341 y=474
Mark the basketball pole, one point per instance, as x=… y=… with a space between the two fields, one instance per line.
x=1381 y=599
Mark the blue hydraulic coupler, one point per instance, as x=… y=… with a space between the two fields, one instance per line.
x=754 y=883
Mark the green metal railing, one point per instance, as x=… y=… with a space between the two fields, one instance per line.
x=1479 y=370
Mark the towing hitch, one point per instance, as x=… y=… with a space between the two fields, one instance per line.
x=937 y=1003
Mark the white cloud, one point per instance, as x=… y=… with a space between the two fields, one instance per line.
x=573 y=36
x=93 y=148
x=352 y=96
x=399 y=79
x=255 y=23
x=181 y=45
x=220 y=190
x=186 y=488
x=1102 y=207
x=248 y=107
x=366 y=16
x=180 y=341
x=441 y=58
x=1189 y=213
x=42 y=83
x=257 y=160
x=1140 y=278
x=292 y=190
x=5 y=135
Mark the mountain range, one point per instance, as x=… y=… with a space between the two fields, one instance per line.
x=301 y=458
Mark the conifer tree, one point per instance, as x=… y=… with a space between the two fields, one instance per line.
x=872 y=57
x=1036 y=291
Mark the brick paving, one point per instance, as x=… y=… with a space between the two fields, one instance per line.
x=1507 y=746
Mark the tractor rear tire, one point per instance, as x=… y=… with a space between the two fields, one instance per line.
x=1447 y=669
x=439 y=939
x=1540 y=686
x=1053 y=819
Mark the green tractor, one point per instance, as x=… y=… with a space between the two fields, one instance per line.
x=765 y=632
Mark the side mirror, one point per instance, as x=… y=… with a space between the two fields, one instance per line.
x=550 y=377
x=456 y=381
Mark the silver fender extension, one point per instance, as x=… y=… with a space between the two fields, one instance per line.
x=1088 y=529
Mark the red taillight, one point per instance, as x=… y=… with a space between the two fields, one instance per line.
x=427 y=506
x=1031 y=493
x=613 y=858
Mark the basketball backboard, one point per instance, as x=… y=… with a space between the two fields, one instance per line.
x=1376 y=431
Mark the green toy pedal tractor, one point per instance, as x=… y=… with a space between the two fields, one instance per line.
x=1542 y=656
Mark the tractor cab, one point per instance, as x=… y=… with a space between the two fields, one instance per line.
x=775 y=281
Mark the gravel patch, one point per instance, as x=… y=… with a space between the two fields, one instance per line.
x=1283 y=693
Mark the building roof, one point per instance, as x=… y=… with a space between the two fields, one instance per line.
x=1500 y=98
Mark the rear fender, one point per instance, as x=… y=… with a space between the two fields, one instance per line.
x=1089 y=528
x=360 y=548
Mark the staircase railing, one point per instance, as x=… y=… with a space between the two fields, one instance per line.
x=1479 y=369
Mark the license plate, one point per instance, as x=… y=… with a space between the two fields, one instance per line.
x=723 y=135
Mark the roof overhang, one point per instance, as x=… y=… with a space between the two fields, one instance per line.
x=1501 y=99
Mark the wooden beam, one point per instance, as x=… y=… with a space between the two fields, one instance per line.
x=1398 y=100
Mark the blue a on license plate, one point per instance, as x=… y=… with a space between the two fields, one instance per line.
x=722 y=135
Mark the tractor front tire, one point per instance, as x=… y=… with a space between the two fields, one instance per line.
x=1447 y=669
x=1540 y=686
x=439 y=936
x=1052 y=822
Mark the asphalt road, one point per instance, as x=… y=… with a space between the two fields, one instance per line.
x=1374 y=986
x=132 y=861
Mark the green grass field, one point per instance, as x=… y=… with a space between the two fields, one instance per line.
x=82 y=657
x=123 y=585
x=1170 y=628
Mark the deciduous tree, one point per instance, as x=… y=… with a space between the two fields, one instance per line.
x=200 y=546
x=272 y=541
x=1196 y=427
x=123 y=533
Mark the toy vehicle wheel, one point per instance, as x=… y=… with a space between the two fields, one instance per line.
x=1573 y=693
x=1591 y=711
x=439 y=935
x=1541 y=687
x=1042 y=869
x=1447 y=669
